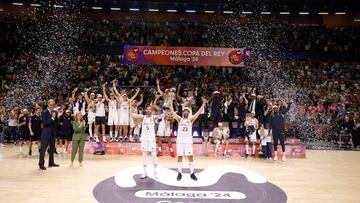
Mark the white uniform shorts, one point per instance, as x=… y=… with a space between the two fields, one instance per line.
x=148 y=146
x=124 y=120
x=252 y=137
x=113 y=119
x=184 y=149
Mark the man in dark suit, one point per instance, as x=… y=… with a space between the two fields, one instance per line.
x=48 y=117
x=230 y=112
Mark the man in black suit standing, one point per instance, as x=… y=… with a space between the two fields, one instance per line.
x=230 y=106
x=48 y=117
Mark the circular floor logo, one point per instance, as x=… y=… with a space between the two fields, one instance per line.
x=215 y=184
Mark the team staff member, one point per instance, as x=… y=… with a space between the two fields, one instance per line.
x=277 y=127
x=48 y=117
x=35 y=129
x=23 y=124
x=65 y=130
x=78 y=138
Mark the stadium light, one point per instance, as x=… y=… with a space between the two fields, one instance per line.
x=284 y=13
x=304 y=13
x=209 y=11
x=1 y=9
x=323 y=13
x=17 y=4
x=58 y=6
x=265 y=13
x=340 y=13
x=153 y=10
x=246 y=12
x=35 y=5
x=134 y=9
x=171 y=11
x=190 y=11
x=96 y=8
x=228 y=12
x=115 y=9
x=357 y=20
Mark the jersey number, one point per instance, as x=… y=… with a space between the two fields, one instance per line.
x=185 y=129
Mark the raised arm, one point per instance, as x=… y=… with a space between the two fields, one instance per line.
x=178 y=97
x=141 y=100
x=73 y=94
x=104 y=92
x=287 y=108
x=175 y=115
x=200 y=111
x=135 y=95
x=86 y=95
x=158 y=87
x=135 y=115
x=114 y=88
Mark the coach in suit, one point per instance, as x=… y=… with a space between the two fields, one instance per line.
x=48 y=117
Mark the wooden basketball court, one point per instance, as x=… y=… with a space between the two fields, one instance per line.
x=324 y=176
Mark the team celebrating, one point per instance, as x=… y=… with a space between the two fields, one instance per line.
x=121 y=118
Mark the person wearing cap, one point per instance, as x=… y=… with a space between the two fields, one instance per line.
x=90 y=113
x=215 y=103
x=277 y=127
x=23 y=124
x=220 y=135
x=184 y=141
x=48 y=117
x=35 y=128
x=113 y=114
x=65 y=130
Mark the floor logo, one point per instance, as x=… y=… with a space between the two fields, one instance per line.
x=216 y=184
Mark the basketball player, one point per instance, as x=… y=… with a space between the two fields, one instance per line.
x=100 y=117
x=251 y=125
x=221 y=135
x=134 y=108
x=91 y=112
x=184 y=141
x=148 y=141
x=113 y=116
x=23 y=124
x=124 y=113
x=35 y=129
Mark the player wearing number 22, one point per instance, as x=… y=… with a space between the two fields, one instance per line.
x=184 y=142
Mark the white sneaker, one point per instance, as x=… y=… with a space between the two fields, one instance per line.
x=143 y=176
x=156 y=176
x=283 y=158
x=275 y=158
x=104 y=139
x=97 y=139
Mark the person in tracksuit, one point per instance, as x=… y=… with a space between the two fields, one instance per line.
x=277 y=127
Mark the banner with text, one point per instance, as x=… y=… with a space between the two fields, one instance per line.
x=188 y=56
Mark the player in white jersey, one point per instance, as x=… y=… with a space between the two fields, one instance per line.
x=251 y=125
x=221 y=135
x=134 y=109
x=100 y=116
x=79 y=103
x=90 y=112
x=184 y=141
x=124 y=112
x=148 y=141
x=113 y=114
